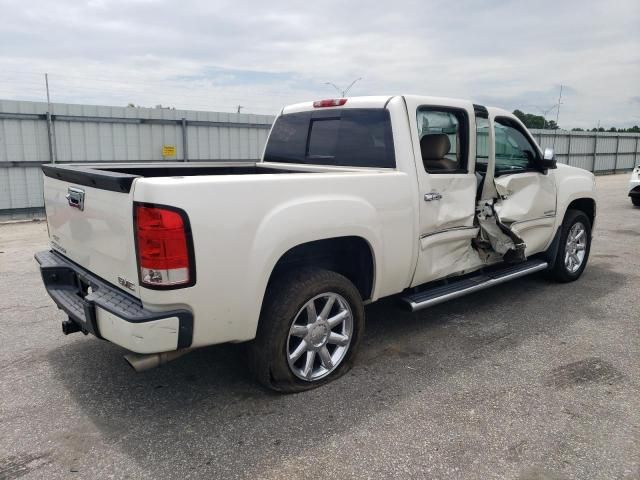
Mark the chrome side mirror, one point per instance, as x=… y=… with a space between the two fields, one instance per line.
x=549 y=154
x=548 y=158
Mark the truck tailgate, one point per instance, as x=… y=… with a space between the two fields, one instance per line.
x=93 y=227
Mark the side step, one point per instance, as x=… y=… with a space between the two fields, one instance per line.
x=459 y=288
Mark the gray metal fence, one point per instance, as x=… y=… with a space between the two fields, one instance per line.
x=30 y=137
x=598 y=152
x=88 y=133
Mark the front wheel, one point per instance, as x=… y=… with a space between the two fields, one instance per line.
x=575 y=244
x=635 y=201
x=310 y=328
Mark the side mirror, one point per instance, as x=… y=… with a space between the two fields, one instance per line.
x=548 y=159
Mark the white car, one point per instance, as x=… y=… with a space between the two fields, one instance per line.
x=356 y=199
x=634 y=186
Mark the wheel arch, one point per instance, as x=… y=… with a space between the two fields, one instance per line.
x=587 y=205
x=351 y=256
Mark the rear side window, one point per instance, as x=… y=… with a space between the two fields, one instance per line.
x=343 y=137
x=443 y=139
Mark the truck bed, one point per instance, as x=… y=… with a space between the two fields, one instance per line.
x=118 y=177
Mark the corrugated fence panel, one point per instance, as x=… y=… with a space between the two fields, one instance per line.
x=627 y=144
x=626 y=161
x=581 y=161
x=606 y=145
x=605 y=162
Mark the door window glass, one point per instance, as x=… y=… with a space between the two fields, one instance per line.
x=514 y=152
x=443 y=141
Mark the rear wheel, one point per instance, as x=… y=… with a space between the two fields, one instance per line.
x=573 y=250
x=310 y=328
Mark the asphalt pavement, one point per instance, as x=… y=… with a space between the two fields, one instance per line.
x=528 y=380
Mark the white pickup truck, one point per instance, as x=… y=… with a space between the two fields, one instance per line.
x=355 y=199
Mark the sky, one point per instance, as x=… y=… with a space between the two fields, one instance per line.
x=217 y=54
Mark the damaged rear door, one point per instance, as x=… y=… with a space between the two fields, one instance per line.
x=521 y=194
x=443 y=150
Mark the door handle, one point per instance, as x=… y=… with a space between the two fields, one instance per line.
x=430 y=197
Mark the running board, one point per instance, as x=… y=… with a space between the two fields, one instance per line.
x=459 y=288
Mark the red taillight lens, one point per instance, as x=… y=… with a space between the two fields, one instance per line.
x=330 y=102
x=163 y=246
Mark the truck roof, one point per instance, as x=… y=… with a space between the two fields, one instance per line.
x=380 y=101
x=352 y=102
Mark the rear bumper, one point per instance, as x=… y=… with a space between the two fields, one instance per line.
x=107 y=312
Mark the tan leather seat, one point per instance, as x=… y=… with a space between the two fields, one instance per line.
x=434 y=148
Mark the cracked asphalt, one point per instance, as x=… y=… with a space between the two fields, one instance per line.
x=530 y=380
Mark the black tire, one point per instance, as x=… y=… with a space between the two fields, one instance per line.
x=635 y=201
x=284 y=299
x=560 y=272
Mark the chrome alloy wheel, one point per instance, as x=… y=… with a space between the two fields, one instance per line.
x=575 y=248
x=318 y=342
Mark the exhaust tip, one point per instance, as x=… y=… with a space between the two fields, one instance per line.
x=141 y=362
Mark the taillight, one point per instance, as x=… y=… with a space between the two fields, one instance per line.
x=330 y=102
x=163 y=240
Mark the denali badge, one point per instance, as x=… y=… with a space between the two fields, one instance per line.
x=75 y=197
x=126 y=284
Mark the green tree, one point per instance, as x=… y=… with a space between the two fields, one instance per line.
x=530 y=120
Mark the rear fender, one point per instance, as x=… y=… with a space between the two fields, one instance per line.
x=307 y=220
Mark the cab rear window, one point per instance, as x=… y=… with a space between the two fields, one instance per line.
x=343 y=137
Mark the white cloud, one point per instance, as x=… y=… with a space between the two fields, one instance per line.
x=215 y=55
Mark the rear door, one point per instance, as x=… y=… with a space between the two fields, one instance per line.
x=93 y=227
x=526 y=194
x=444 y=153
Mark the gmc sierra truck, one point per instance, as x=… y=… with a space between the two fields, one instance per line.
x=426 y=199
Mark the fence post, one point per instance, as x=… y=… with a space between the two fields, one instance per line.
x=49 y=138
x=568 y=148
x=615 y=164
x=595 y=153
x=185 y=147
x=635 y=153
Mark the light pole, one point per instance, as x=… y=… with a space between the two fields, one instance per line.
x=343 y=93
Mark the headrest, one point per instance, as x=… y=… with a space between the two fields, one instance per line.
x=434 y=146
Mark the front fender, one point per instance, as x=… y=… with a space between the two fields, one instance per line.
x=572 y=184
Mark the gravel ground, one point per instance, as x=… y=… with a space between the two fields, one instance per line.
x=532 y=380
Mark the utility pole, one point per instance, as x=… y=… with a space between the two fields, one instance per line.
x=558 y=110
x=343 y=93
x=50 y=133
x=240 y=107
x=557 y=117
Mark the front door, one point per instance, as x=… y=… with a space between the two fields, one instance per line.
x=526 y=194
x=443 y=149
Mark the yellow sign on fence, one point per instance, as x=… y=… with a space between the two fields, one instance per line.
x=168 y=151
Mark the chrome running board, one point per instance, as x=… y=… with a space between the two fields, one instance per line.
x=458 y=288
